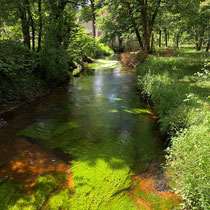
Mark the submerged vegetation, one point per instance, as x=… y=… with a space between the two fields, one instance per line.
x=107 y=148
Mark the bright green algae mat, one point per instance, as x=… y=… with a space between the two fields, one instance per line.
x=102 y=123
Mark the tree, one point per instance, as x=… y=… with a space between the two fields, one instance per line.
x=139 y=16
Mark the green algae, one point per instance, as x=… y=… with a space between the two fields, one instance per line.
x=102 y=130
x=14 y=198
x=59 y=200
x=45 y=130
x=138 y=111
x=46 y=185
x=157 y=201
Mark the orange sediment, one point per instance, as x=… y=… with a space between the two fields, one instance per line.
x=23 y=162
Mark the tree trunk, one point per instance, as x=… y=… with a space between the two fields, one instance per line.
x=166 y=37
x=120 y=40
x=57 y=14
x=24 y=25
x=146 y=29
x=32 y=24
x=152 y=42
x=147 y=24
x=93 y=17
x=208 y=45
x=40 y=26
x=160 y=38
x=177 y=40
x=198 y=42
x=138 y=36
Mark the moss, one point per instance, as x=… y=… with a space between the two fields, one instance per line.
x=60 y=200
x=13 y=197
x=157 y=201
x=46 y=185
x=7 y=193
x=47 y=129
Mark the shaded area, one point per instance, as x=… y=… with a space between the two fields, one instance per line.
x=24 y=162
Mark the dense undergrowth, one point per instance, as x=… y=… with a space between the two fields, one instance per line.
x=25 y=74
x=181 y=98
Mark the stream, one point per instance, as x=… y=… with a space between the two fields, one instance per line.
x=91 y=144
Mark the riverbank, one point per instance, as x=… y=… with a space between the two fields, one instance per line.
x=26 y=75
x=179 y=88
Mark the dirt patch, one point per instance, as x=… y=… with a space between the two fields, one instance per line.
x=23 y=162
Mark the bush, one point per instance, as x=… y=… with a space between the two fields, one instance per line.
x=102 y=50
x=132 y=59
x=54 y=62
x=17 y=71
x=85 y=46
x=188 y=165
x=181 y=101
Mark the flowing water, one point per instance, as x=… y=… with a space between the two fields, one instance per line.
x=92 y=144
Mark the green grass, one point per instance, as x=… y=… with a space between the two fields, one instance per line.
x=182 y=101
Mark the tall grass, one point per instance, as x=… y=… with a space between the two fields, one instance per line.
x=182 y=102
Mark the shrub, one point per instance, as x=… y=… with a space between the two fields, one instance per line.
x=85 y=46
x=17 y=71
x=54 y=62
x=132 y=59
x=188 y=165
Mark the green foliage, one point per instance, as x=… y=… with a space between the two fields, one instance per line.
x=84 y=45
x=182 y=103
x=54 y=62
x=18 y=68
x=188 y=164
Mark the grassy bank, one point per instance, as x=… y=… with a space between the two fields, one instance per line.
x=181 y=98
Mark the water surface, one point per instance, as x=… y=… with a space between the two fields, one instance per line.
x=100 y=122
